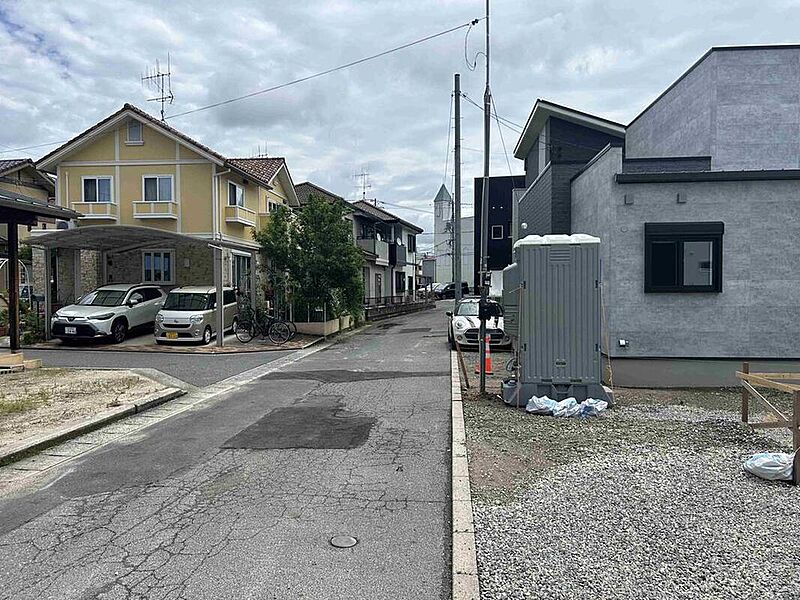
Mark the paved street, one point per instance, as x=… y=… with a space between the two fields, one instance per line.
x=239 y=496
x=195 y=369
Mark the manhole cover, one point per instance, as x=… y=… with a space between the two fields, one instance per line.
x=343 y=541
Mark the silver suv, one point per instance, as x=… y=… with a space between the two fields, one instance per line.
x=108 y=311
x=189 y=314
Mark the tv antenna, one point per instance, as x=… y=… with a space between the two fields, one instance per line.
x=160 y=82
x=365 y=184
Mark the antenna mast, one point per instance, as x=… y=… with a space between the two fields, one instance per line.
x=161 y=83
x=365 y=184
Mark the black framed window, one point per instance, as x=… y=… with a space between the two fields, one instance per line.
x=683 y=257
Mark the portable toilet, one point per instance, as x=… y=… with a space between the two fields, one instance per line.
x=552 y=296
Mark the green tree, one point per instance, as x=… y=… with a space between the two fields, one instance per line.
x=278 y=250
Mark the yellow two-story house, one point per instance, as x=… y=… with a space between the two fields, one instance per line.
x=155 y=204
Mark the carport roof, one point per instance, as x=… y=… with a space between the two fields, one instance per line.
x=117 y=238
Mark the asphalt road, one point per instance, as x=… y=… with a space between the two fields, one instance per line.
x=239 y=497
x=196 y=369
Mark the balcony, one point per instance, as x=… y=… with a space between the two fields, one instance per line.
x=377 y=247
x=240 y=215
x=397 y=255
x=96 y=211
x=144 y=209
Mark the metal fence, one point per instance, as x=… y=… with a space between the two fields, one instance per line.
x=420 y=297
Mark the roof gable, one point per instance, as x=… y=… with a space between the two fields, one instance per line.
x=10 y=166
x=544 y=109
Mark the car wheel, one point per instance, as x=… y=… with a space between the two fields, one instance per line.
x=118 y=331
x=207 y=335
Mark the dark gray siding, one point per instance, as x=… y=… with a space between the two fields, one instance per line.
x=536 y=207
x=666 y=165
x=569 y=142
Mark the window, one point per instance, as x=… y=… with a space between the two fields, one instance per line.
x=134 y=132
x=240 y=274
x=97 y=189
x=228 y=297
x=272 y=206
x=497 y=232
x=157 y=266
x=412 y=242
x=399 y=283
x=683 y=257
x=235 y=194
x=150 y=293
x=509 y=229
x=157 y=188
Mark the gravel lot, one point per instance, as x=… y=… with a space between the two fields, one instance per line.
x=648 y=501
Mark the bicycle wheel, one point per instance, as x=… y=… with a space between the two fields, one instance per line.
x=292 y=329
x=278 y=333
x=245 y=331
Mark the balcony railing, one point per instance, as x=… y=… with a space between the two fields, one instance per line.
x=96 y=210
x=145 y=209
x=241 y=215
x=377 y=247
x=397 y=255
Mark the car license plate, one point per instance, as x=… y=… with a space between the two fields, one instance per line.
x=71 y=330
x=172 y=335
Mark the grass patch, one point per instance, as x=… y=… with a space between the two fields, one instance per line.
x=11 y=406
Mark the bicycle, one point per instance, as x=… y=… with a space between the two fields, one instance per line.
x=259 y=323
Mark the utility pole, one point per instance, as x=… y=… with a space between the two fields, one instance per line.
x=457 y=203
x=484 y=268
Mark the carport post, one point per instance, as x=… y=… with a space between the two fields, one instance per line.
x=220 y=300
x=76 y=272
x=13 y=286
x=48 y=291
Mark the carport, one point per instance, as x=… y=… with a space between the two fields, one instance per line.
x=110 y=240
x=16 y=210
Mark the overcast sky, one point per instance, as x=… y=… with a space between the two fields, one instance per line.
x=66 y=65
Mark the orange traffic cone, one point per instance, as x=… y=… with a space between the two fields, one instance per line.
x=486 y=342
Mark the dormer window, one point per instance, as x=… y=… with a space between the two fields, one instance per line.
x=134 y=132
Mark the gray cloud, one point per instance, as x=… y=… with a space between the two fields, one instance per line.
x=67 y=65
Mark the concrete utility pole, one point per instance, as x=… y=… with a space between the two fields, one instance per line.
x=457 y=203
x=484 y=268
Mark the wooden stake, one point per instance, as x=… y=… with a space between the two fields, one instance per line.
x=796 y=436
x=461 y=364
x=745 y=396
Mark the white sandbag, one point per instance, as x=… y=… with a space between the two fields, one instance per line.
x=540 y=406
x=775 y=466
x=566 y=408
x=592 y=407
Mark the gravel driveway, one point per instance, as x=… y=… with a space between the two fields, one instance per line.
x=646 y=502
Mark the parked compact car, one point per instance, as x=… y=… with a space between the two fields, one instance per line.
x=109 y=311
x=448 y=290
x=465 y=326
x=189 y=314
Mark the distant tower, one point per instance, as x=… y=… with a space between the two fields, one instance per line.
x=160 y=82
x=443 y=235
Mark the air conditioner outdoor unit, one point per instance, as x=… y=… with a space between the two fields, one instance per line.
x=551 y=297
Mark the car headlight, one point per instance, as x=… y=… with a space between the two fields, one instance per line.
x=460 y=325
x=196 y=318
x=159 y=318
x=103 y=317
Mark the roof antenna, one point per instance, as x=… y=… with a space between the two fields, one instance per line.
x=365 y=184
x=161 y=83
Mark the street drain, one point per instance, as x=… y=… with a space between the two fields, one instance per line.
x=415 y=330
x=345 y=376
x=317 y=422
x=343 y=541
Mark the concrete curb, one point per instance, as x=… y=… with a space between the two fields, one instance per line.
x=465 y=562
x=45 y=440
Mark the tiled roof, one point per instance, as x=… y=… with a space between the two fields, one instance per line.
x=144 y=116
x=305 y=189
x=384 y=215
x=12 y=163
x=260 y=168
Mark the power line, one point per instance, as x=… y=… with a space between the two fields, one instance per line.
x=508 y=123
x=327 y=71
x=502 y=141
x=429 y=212
x=283 y=85
x=449 y=128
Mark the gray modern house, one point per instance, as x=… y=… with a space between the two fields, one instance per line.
x=698 y=213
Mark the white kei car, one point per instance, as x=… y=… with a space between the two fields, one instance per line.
x=465 y=326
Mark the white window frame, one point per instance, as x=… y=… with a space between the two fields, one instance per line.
x=238 y=187
x=162 y=252
x=128 y=139
x=97 y=178
x=157 y=177
x=272 y=206
x=239 y=254
x=497 y=237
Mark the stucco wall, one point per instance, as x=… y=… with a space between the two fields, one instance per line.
x=755 y=316
x=740 y=106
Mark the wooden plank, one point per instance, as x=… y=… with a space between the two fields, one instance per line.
x=461 y=364
x=745 y=396
x=769 y=404
x=772 y=425
x=756 y=379
x=794 y=376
